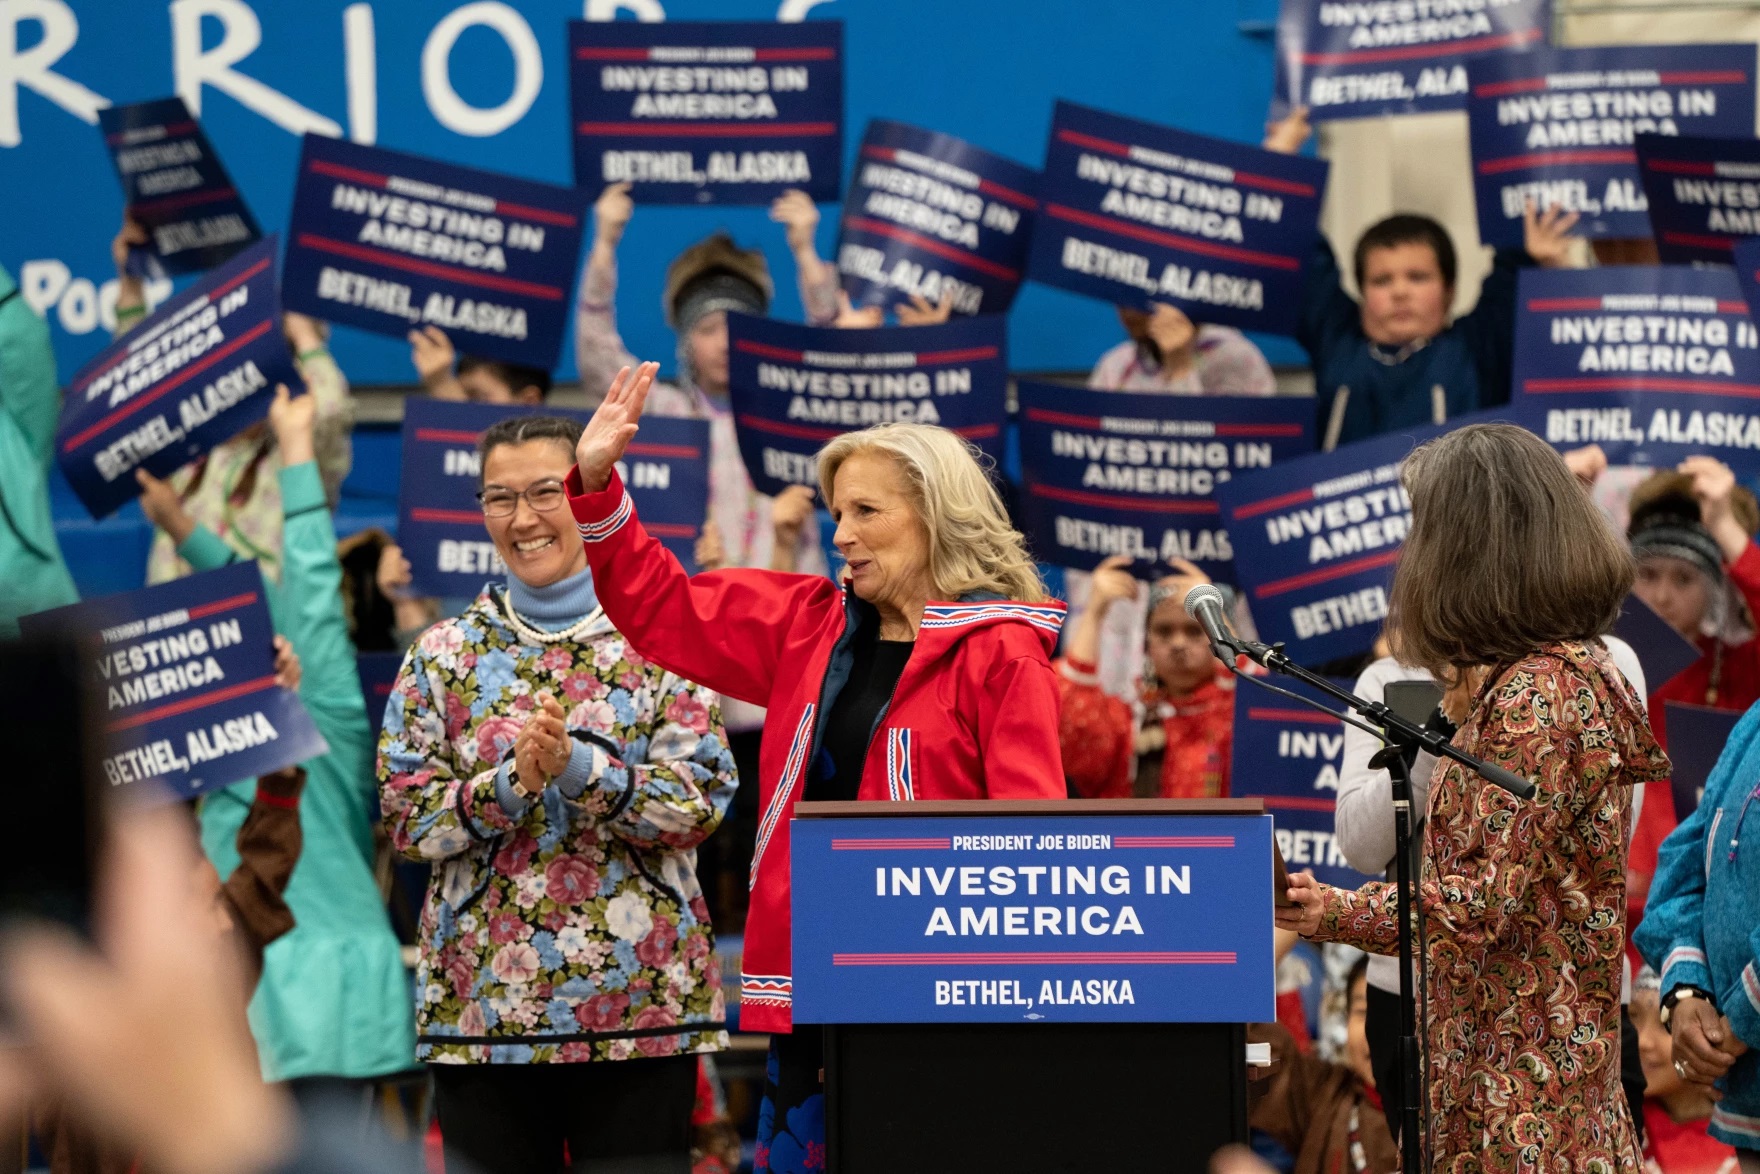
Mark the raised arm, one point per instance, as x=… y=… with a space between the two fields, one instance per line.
x=725 y=629
x=599 y=349
x=797 y=213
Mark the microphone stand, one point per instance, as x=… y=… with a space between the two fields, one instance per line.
x=1403 y=740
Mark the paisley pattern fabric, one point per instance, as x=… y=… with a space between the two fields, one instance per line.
x=575 y=929
x=1523 y=908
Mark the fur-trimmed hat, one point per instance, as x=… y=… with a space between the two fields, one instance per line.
x=1666 y=520
x=715 y=274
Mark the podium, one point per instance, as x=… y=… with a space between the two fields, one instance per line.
x=1032 y=986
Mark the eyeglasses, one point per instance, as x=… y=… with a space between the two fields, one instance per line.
x=500 y=502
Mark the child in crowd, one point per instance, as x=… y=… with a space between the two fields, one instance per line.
x=1675 y=1113
x=1395 y=360
x=446 y=374
x=1175 y=742
x=1166 y=352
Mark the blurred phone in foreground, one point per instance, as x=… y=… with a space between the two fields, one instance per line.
x=48 y=723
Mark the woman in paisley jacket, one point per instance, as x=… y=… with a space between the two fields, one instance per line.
x=559 y=782
x=1508 y=566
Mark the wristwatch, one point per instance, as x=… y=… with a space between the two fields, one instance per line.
x=1665 y=1015
x=519 y=788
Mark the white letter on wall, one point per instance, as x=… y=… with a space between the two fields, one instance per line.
x=360 y=48
x=647 y=11
x=453 y=112
x=193 y=67
x=31 y=68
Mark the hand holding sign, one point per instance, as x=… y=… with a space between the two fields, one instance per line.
x=611 y=215
x=613 y=426
x=1546 y=235
x=294 y=419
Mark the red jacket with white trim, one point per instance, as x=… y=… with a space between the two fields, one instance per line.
x=974 y=714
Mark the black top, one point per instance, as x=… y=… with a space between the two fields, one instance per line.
x=850 y=726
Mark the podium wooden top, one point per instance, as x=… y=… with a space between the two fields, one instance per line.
x=921 y=807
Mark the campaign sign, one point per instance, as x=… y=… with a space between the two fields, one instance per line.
x=1662 y=652
x=935 y=216
x=1696 y=737
x=378 y=673
x=796 y=387
x=1289 y=756
x=999 y=919
x=175 y=185
x=1746 y=259
x=187 y=673
x=387 y=241
x=1315 y=541
x=1107 y=473
x=1652 y=362
x=1556 y=126
x=1704 y=194
x=440 y=522
x=1342 y=59
x=196 y=372
x=707 y=112
x=1135 y=213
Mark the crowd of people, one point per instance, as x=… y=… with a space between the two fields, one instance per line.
x=598 y=755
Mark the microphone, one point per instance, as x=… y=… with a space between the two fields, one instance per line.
x=1204 y=604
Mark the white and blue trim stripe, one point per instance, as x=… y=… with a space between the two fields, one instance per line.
x=791 y=771
x=773 y=990
x=601 y=530
x=900 y=777
x=1688 y=955
x=1737 y=1123
x=1751 y=986
x=1046 y=616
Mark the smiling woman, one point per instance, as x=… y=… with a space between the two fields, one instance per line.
x=560 y=782
x=923 y=675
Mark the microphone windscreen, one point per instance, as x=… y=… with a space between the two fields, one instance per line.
x=1199 y=594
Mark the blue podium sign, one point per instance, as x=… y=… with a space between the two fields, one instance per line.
x=999 y=919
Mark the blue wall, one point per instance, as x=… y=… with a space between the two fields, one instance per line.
x=986 y=70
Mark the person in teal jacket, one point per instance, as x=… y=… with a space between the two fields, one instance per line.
x=335 y=999
x=33 y=576
x=1701 y=932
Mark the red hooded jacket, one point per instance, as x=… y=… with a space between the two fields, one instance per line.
x=974 y=714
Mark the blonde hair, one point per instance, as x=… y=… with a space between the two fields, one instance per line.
x=972 y=546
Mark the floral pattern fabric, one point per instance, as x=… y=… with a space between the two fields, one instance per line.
x=1523 y=908
x=575 y=930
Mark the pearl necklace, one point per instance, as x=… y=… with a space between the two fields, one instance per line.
x=531 y=635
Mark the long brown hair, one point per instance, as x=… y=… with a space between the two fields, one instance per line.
x=1505 y=553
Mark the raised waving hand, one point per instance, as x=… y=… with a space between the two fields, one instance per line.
x=613 y=426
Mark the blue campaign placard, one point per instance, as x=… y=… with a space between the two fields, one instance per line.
x=1696 y=737
x=1135 y=213
x=196 y=372
x=1557 y=126
x=187 y=673
x=796 y=387
x=1662 y=652
x=1108 y=473
x=1343 y=59
x=1288 y=756
x=176 y=186
x=378 y=673
x=440 y=522
x=1652 y=362
x=1000 y=919
x=1745 y=258
x=707 y=112
x=1704 y=194
x=389 y=242
x=933 y=215
x=1315 y=541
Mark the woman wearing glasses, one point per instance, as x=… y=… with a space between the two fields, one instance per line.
x=558 y=781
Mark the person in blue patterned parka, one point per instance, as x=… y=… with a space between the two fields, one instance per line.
x=1701 y=932
x=559 y=782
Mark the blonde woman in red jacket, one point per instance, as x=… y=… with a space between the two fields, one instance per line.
x=924 y=674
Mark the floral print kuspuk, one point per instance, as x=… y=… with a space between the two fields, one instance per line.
x=576 y=931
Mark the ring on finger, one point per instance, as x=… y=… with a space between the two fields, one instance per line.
x=1680 y=1069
